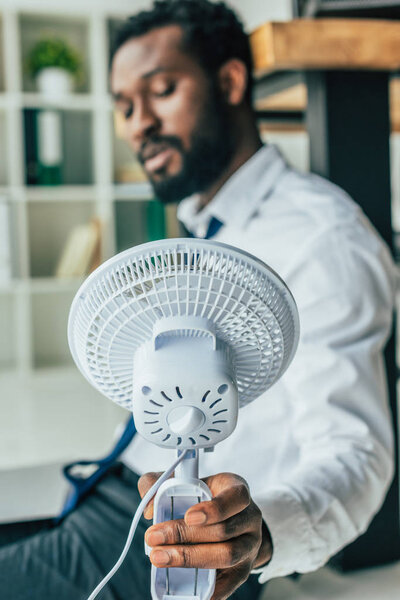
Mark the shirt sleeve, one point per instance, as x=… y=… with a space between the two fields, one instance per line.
x=341 y=420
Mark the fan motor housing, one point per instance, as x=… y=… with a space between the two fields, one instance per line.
x=184 y=392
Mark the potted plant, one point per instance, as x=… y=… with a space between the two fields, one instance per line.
x=55 y=65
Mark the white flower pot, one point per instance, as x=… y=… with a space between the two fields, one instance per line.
x=54 y=82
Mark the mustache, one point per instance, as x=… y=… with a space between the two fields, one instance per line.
x=157 y=144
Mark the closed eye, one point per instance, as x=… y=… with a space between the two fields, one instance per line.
x=124 y=108
x=128 y=112
x=166 y=91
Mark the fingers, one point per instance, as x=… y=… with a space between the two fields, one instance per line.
x=231 y=496
x=178 y=532
x=205 y=556
x=144 y=484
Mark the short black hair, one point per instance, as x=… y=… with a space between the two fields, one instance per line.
x=212 y=32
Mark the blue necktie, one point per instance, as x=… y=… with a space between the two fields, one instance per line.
x=213 y=227
x=84 y=474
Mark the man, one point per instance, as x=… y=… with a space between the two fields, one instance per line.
x=309 y=463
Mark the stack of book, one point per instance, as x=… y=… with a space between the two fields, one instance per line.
x=82 y=251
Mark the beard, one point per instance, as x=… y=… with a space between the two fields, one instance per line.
x=212 y=147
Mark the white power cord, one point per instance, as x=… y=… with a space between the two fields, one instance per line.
x=140 y=509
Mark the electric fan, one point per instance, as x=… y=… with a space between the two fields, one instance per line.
x=183 y=332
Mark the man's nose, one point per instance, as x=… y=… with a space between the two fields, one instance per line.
x=142 y=124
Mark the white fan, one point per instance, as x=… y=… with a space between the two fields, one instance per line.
x=183 y=332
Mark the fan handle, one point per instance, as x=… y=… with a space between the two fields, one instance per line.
x=173 y=499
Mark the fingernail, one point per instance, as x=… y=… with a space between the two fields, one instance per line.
x=196 y=518
x=155 y=538
x=160 y=557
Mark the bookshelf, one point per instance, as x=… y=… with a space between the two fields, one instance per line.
x=49 y=224
x=98 y=179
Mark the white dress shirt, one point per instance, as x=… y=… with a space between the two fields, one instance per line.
x=317 y=448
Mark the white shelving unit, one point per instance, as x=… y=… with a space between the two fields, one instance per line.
x=43 y=216
x=34 y=304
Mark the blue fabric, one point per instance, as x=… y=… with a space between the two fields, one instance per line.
x=213 y=227
x=81 y=483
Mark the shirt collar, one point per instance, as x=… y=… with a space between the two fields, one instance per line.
x=239 y=197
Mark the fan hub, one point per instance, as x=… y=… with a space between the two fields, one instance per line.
x=185 y=419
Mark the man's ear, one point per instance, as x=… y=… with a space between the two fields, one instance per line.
x=233 y=80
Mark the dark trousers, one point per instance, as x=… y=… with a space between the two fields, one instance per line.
x=40 y=561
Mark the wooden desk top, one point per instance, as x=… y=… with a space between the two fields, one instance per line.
x=305 y=44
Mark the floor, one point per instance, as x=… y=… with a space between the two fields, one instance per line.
x=47 y=420
x=381 y=583
x=52 y=416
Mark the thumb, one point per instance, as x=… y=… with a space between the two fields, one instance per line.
x=144 y=484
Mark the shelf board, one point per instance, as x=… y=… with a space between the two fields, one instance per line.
x=53 y=397
x=45 y=285
x=133 y=191
x=326 y=44
x=10 y=287
x=68 y=102
x=40 y=285
x=71 y=102
x=61 y=193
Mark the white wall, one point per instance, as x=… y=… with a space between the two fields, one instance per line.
x=252 y=12
x=76 y=6
x=295 y=146
x=256 y=12
x=395 y=170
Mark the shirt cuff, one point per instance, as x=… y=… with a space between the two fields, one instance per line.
x=290 y=531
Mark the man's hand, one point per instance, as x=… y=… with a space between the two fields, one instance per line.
x=226 y=533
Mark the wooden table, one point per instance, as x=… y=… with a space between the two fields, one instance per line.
x=339 y=70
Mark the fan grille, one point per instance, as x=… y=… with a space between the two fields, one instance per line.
x=249 y=305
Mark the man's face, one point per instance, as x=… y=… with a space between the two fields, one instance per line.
x=176 y=119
